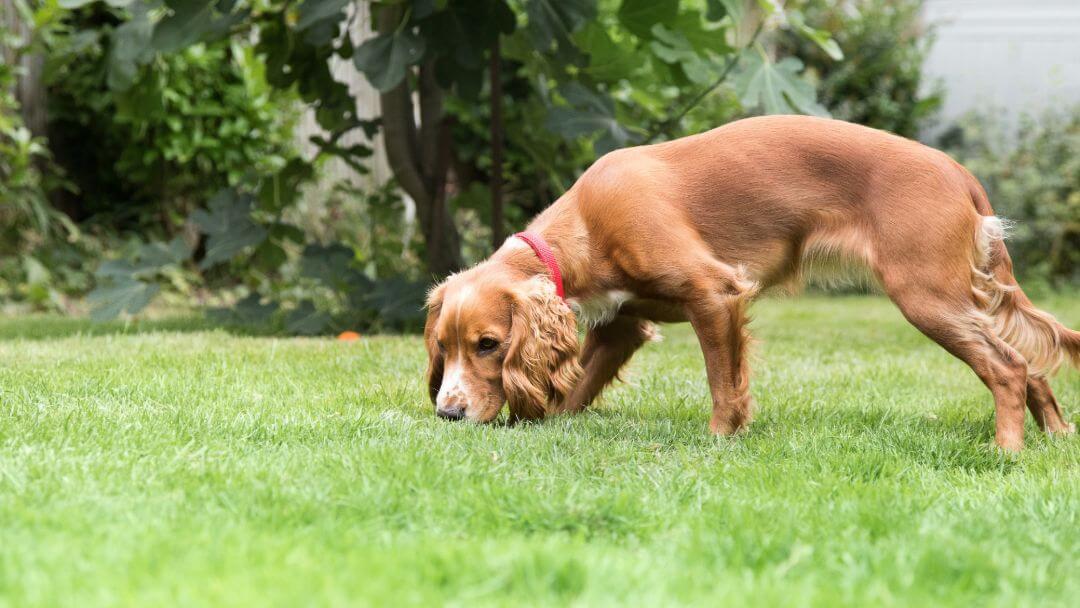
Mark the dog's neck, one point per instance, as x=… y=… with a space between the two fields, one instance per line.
x=568 y=238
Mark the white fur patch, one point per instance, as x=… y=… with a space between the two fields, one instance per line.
x=513 y=242
x=453 y=385
x=601 y=308
x=991 y=230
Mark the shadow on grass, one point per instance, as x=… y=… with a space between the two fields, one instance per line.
x=42 y=327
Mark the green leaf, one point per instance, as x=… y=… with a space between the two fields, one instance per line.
x=459 y=38
x=397 y=301
x=385 y=58
x=113 y=297
x=332 y=265
x=673 y=48
x=229 y=226
x=608 y=61
x=313 y=11
x=466 y=30
x=718 y=9
x=192 y=21
x=248 y=311
x=131 y=47
x=551 y=22
x=306 y=320
x=775 y=87
x=184 y=26
x=251 y=310
x=691 y=25
x=819 y=37
x=589 y=114
x=283 y=232
x=276 y=43
x=82 y=3
x=283 y=188
x=151 y=258
x=640 y=16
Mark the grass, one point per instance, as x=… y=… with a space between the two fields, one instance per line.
x=171 y=463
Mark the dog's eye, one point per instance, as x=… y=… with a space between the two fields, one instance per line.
x=442 y=349
x=486 y=345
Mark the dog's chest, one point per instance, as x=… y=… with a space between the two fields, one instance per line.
x=601 y=308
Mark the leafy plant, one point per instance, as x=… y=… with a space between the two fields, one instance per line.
x=31 y=231
x=880 y=82
x=582 y=77
x=170 y=129
x=1032 y=177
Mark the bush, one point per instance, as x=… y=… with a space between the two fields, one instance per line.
x=186 y=125
x=1033 y=180
x=31 y=232
x=879 y=82
x=142 y=154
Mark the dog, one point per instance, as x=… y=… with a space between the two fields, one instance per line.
x=692 y=229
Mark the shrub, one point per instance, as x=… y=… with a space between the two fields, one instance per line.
x=31 y=232
x=879 y=83
x=186 y=125
x=1033 y=180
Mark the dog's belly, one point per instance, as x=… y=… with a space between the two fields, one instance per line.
x=655 y=310
x=600 y=309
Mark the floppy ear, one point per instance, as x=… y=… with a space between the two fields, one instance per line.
x=541 y=365
x=435 y=358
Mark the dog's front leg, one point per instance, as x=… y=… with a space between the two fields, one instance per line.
x=720 y=323
x=607 y=348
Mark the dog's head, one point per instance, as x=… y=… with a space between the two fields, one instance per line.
x=495 y=338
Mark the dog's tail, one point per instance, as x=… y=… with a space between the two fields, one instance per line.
x=1034 y=333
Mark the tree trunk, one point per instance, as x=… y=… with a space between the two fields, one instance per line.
x=419 y=156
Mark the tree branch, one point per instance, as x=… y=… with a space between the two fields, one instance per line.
x=399 y=128
x=431 y=118
x=664 y=126
x=496 y=148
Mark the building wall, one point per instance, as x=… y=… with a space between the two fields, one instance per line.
x=1022 y=56
x=367 y=102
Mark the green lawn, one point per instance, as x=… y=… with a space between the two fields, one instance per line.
x=172 y=463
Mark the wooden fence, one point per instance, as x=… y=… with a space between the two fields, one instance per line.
x=29 y=90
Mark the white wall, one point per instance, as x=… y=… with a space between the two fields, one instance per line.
x=1019 y=55
x=367 y=106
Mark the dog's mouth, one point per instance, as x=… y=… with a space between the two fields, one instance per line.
x=464 y=414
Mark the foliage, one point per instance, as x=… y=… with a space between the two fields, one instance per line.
x=880 y=81
x=1034 y=181
x=32 y=233
x=636 y=84
x=169 y=133
x=599 y=74
x=582 y=77
x=160 y=462
x=22 y=188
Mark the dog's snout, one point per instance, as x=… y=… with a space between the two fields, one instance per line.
x=451 y=412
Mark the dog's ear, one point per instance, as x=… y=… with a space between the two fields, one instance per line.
x=435 y=357
x=541 y=365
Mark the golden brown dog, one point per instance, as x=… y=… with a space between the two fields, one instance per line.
x=691 y=229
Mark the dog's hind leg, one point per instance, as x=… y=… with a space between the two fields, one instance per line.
x=607 y=348
x=1045 y=409
x=962 y=330
x=934 y=283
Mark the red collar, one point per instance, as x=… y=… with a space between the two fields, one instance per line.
x=543 y=251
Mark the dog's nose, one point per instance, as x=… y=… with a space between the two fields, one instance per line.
x=452 y=412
